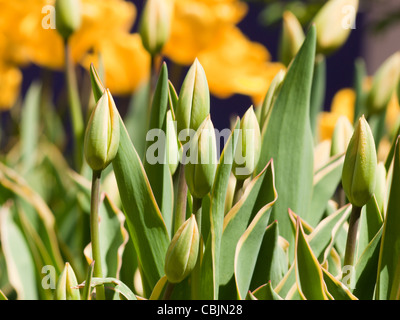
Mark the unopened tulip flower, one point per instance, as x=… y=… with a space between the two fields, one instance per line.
x=182 y=252
x=66 y=285
x=155 y=25
x=102 y=133
x=334 y=22
x=359 y=168
x=202 y=161
x=249 y=145
x=68 y=17
x=194 y=99
x=291 y=39
x=383 y=84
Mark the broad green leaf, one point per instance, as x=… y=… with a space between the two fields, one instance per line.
x=323 y=237
x=272 y=262
x=309 y=275
x=155 y=160
x=317 y=93
x=369 y=225
x=158 y=289
x=288 y=139
x=326 y=180
x=249 y=244
x=360 y=73
x=30 y=126
x=113 y=284
x=235 y=224
x=266 y=292
x=13 y=182
x=388 y=279
x=210 y=276
x=337 y=289
x=366 y=269
x=20 y=264
x=145 y=222
x=287 y=282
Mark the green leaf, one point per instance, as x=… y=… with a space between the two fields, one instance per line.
x=288 y=139
x=88 y=283
x=326 y=180
x=158 y=289
x=250 y=242
x=272 y=262
x=145 y=222
x=113 y=284
x=30 y=125
x=360 y=74
x=388 y=279
x=210 y=277
x=337 y=289
x=323 y=237
x=20 y=264
x=366 y=269
x=317 y=93
x=309 y=275
x=236 y=222
x=266 y=292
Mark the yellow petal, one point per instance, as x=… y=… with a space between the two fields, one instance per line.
x=343 y=103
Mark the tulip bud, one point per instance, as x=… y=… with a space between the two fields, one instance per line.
x=248 y=147
x=155 y=25
x=173 y=154
x=202 y=161
x=341 y=136
x=102 y=133
x=291 y=39
x=270 y=97
x=194 y=99
x=182 y=252
x=384 y=83
x=66 y=285
x=97 y=85
x=333 y=22
x=68 y=17
x=359 y=168
x=380 y=188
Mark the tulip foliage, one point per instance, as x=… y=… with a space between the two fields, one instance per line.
x=160 y=208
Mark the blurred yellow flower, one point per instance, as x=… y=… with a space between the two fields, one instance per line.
x=342 y=105
x=105 y=27
x=206 y=29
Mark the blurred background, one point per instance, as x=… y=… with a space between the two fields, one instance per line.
x=375 y=37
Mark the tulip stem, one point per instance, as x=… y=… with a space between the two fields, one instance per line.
x=352 y=236
x=74 y=106
x=94 y=231
x=180 y=212
x=196 y=271
x=168 y=291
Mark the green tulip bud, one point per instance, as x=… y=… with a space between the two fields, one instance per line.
x=66 y=288
x=155 y=25
x=194 y=99
x=341 y=136
x=380 y=188
x=97 y=85
x=292 y=38
x=202 y=162
x=333 y=22
x=270 y=97
x=102 y=133
x=383 y=84
x=68 y=17
x=173 y=154
x=248 y=148
x=359 y=168
x=182 y=252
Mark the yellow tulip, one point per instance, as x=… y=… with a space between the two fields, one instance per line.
x=10 y=82
x=342 y=105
